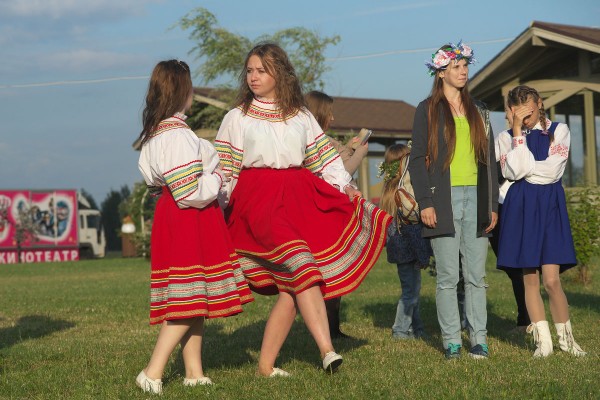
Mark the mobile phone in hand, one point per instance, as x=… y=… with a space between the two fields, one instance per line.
x=363 y=137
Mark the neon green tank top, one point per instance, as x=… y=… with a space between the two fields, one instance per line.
x=463 y=168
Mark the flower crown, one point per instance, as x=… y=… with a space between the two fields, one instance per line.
x=441 y=58
x=388 y=171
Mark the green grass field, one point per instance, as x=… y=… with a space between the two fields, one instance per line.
x=80 y=331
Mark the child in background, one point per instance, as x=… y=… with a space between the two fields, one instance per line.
x=406 y=248
x=535 y=234
x=321 y=106
x=194 y=269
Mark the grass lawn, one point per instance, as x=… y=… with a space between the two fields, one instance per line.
x=80 y=331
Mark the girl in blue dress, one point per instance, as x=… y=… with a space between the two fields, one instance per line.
x=534 y=229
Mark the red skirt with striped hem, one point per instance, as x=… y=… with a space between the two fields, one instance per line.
x=195 y=271
x=292 y=230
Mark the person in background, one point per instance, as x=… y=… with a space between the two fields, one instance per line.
x=406 y=248
x=301 y=228
x=194 y=269
x=535 y=234
x=453 y=171
x=321 y=106
x=515 y=274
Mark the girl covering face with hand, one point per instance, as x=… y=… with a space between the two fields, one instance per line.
x=535 y=234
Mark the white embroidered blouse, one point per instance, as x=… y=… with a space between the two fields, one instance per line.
x=263 y=138
x=517 y=162
x=175 y=157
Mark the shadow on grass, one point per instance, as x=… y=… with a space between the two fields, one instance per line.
x=384 y=313
x=31 y=327
x=583 y=300
x=225 y=350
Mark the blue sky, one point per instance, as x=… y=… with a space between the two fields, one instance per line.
x=60 y=132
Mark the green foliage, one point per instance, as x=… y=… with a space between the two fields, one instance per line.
x=584 y=215
x=112 y=216
x=89 y=198
x=222 y=53
x=305 y=49
x=206 y=116
x=140 y=207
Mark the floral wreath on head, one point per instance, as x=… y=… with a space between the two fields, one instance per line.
x=441 y=58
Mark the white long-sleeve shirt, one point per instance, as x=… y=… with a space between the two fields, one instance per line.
x=175 y=157
x=262 y=138
x=517 y=161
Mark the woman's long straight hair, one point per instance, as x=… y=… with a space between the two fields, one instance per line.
x=437 y=104
x=168 y=91
x=288 y=91
x=387 y=202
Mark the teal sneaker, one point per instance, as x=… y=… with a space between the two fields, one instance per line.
x=453 y=351
x=479 y=351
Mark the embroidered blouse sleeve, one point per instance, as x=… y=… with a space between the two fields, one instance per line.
x=322 y=158
x=189 y=170
x=229 y=144
x=552 y=168
x=516 y=161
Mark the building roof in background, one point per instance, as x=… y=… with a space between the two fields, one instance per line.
x=385 y=118
x=542 y=51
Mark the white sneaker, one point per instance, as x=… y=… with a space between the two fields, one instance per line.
x=278 y=372
x=205 y=380
x=332 y=361
x=147 y=384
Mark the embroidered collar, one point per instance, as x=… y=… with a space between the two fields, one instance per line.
x=264 y=100
x=180 y=116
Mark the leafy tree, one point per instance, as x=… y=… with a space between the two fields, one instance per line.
x=223 y=52
x=89 y=198
x=584 y=216
x=112 y=216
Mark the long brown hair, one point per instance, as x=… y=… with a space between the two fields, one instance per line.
x=321 y=106
x=437 y=104
x=521 y=95
x=168 y=91
x=392 y=154
x=288 y=91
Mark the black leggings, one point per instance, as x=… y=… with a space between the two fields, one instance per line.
x=516 y=277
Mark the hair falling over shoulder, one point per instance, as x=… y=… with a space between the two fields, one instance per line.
x=277 y=64
x=439 y=105
x=392 y=155
x=521 y=95
x=321 y=106
x=168 y=91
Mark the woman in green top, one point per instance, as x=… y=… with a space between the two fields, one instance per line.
x=453 y=171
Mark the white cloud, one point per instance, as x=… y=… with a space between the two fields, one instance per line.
x=57 y=9
x=399 y=7
x=87 y=60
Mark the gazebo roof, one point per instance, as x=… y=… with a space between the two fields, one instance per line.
x=542 y=51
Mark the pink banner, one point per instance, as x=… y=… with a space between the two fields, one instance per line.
x=52 y=215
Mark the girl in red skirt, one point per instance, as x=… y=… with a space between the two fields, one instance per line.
x=195 y=272
x=288 y=209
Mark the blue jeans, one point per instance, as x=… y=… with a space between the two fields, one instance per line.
x=472 y=251
x=408 y=322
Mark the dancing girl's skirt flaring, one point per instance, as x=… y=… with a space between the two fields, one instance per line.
x=195 y=271
x=292 y=230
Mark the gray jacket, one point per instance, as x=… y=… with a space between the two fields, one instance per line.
x=432 y=187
